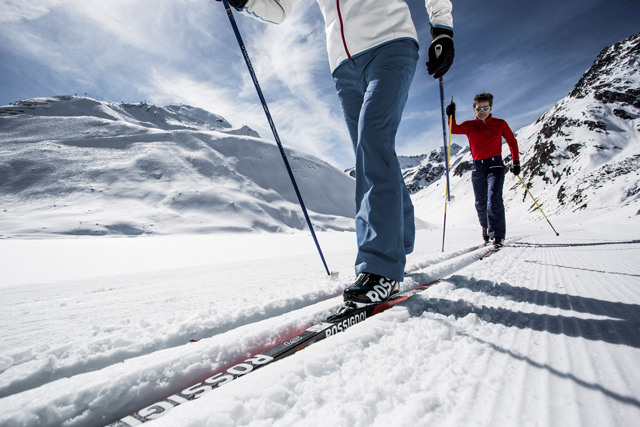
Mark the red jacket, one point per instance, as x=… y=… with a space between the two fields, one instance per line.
x=485 y=138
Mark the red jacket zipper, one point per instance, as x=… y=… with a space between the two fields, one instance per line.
x=344 y=41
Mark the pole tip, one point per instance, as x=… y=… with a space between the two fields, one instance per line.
x=333 y=275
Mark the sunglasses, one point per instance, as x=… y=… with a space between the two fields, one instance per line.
x=478 y=109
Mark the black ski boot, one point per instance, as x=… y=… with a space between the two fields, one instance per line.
x=485 y=234
x=498 y=242
x=370 y=289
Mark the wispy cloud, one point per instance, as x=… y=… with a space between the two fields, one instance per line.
x=290 y=64
x=16 y=10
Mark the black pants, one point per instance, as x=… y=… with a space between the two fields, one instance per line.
x=487 y=177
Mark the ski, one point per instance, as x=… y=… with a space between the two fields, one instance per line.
x=491 y=251
x=347 y=316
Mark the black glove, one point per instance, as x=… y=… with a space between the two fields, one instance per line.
x=515 y=169
x=441 y=52
x=451 y=109
x=239 y=4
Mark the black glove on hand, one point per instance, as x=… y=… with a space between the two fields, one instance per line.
x=516 y=167
x=451 y=109
x=239 y=4
x=441 y=52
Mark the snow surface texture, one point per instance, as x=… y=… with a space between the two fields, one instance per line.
x=545 y=333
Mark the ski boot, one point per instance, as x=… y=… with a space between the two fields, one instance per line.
x=370 y=289
x=485 y=235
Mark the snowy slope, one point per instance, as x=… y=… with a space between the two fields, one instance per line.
x=584 y=153
x=77 y=166
x=543 y=333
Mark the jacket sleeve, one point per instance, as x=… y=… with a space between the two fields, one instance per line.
x=511 y=141
x=440 y=13
x=273 y=11
x=458 y=129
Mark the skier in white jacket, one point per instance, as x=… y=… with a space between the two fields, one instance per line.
x=373 y=52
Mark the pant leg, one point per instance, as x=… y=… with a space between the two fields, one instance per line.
x=495 y=207
x=409 y=218
x=480 y=190
x=351 y=89
x=384 y=213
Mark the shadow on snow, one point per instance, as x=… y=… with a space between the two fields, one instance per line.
x=618 y=322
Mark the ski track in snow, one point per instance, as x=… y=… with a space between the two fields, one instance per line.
x=34 y=367
x=545 y=332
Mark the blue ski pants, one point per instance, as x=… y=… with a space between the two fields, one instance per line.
x=487 y=177
x=373 y=88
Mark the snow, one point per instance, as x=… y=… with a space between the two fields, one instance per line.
x=546 y=332
x=77 y=166
x=127 y=230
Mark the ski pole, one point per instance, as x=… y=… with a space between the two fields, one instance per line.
x=449 y=149
x=534 y=200
x=446 y=158
x=448 y=197
x=275 y=132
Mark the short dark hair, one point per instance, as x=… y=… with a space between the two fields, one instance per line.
x=483 y=97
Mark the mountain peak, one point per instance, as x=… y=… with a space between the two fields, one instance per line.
x=614 y=75
x=590 y=140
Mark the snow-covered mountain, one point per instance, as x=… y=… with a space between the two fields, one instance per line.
x=419 y=175
x=584 y=153
x=77 y=166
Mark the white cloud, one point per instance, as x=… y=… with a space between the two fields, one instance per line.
x=169 y=87
x=18 y=10
x=291 y=65
x=157 y=26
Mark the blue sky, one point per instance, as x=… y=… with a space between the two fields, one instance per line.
x=529 y=54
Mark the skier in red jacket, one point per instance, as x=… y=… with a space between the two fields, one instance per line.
x=485 y=135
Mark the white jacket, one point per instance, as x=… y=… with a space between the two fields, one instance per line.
x=354 y=26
